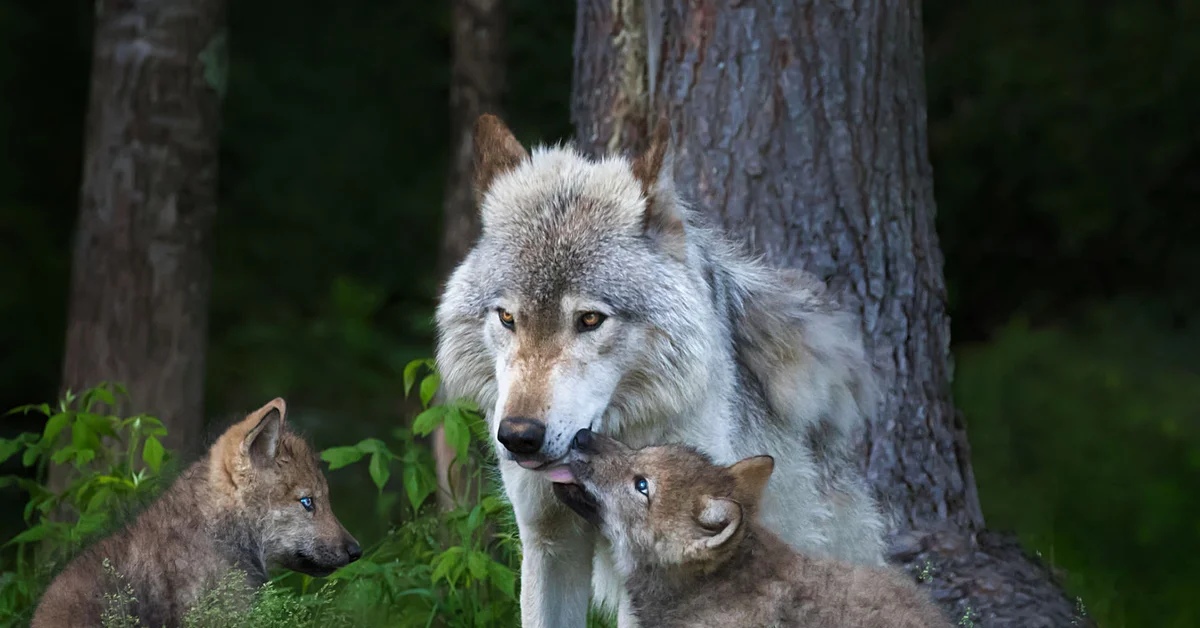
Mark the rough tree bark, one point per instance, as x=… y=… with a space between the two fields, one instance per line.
x=140 y=276
x=800 y=126
x=476 y=84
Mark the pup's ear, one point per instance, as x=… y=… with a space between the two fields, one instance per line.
x=261 y=443
x=496 y=151
x=663 y=220
x=750 y=477
x=719 y=519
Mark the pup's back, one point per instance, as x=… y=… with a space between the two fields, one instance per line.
x=765 y=583
x=209 y=524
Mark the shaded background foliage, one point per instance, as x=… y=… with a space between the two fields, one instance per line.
x=1067 y=163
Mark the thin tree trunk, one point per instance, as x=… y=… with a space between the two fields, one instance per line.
x=140 y=277
x=476 y=84
x=800 y=126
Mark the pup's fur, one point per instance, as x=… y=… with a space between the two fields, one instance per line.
x=701 y=345
x=686 y=541
x=238 y=507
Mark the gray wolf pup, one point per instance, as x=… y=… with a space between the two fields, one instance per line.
x=257 y=498
x=594 y=298
x=686 y=541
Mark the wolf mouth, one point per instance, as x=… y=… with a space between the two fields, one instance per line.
x=305 y=564
x=579 y=500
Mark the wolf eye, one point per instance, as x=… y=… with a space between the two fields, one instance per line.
x=506 y=318
x=641 y=485
x=589 y=321
x=307 y=502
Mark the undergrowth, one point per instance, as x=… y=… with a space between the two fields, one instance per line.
x=432 y=568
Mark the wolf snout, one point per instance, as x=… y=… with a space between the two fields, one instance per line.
x=353 y=550
x=522 y=436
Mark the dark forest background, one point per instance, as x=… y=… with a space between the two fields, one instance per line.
x=1066 y=153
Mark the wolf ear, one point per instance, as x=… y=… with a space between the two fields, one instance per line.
x=496 y=151
x=750 y=477
x=261 y=443
x=653 y=170
x=719 y=519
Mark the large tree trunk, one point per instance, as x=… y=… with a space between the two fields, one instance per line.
x=476 y=84
x=800 y=126
x=140 y=277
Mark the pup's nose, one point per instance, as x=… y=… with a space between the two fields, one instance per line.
x=583 y=441
x=353 y=550
x=521 y=436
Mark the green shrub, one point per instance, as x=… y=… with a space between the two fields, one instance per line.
x=113 y=461
x=433 y=568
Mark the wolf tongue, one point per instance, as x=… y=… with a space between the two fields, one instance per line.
x=561 y=475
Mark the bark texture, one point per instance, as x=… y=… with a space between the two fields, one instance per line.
x=140 y=277
x=800 y=126
x=476 y=85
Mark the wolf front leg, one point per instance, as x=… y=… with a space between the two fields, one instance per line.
x=556 y=548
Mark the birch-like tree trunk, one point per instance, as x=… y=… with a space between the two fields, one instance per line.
x=141 y=272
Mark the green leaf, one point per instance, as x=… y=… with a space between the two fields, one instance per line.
x=102 y=395
x=446 y=561
x=54 y=426
x=503 y=578
x=152 y=453
x=492 y=504
x=8 y=448
x=63 y=454
x=416 y=486
x=36 y=533
x=379 y=470
x=338 y=457
x=428 y=420
x=410 y=374
x=98 y=499
x=84 y=456
x=429 y=386
x=475 y=518
x=373 y=446
x=477 y=563
x=30 y=456
x=457 y=434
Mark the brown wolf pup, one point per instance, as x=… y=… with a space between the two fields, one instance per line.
x=256 y=499
x=691 y=552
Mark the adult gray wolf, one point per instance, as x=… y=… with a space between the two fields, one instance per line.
x=594 y=298
x=256 y=499
x=692 y=554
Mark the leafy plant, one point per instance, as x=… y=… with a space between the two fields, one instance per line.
x=112 y=461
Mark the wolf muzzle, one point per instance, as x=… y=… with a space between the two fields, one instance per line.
x=521 y=436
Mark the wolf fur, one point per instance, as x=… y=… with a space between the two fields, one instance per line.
x=692 y=554
x=695 y=343
x=237 y=508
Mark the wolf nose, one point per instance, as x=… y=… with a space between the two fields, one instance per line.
x=521 y=436
x=353 y=551
x=583 y=440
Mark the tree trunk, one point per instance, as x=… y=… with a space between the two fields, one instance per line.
x=800 y=126
x=476 y=83
x=140 y=277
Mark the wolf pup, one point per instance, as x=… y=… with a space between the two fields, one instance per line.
x=594 y=298
x=257 y=499
x=687 y=542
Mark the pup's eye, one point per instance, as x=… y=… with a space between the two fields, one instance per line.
x=589 y=321
x=307 y=502
x=506 y=318
x=641 y=485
